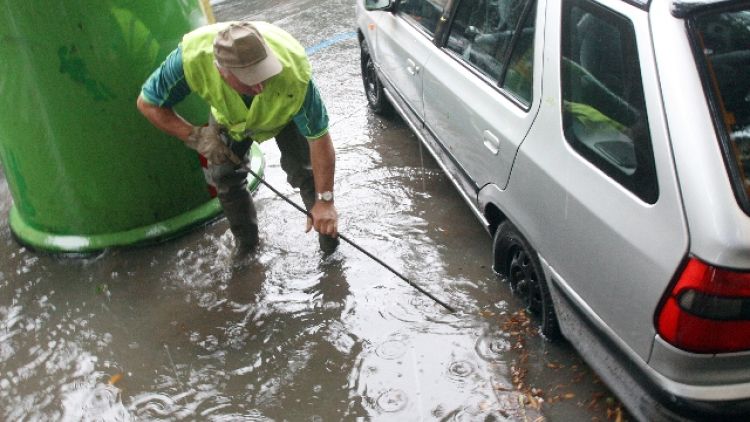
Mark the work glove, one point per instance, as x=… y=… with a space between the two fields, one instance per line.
x=206 y=140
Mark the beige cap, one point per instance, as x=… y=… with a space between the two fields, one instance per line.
x=241 y=49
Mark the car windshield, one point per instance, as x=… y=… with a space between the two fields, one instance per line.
x=724 y=38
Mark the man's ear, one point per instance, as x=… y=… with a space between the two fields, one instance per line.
x=221 y=70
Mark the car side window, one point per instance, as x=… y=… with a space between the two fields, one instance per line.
x=520 y=72
x=424 y=13
x=484 y=32
x=604 y=109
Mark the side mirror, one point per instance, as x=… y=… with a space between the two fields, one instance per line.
x=378 y=5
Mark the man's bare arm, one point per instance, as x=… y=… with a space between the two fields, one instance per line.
x=165 y=119
x=323 y=160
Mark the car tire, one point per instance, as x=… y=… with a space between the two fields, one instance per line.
x=517 y=262
x=376 y=98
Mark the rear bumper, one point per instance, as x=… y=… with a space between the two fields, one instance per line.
x=648 y=395
x=693 y=410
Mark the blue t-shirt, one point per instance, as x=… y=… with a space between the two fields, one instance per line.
x=167 y=86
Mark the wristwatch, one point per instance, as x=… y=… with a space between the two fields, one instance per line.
x=326 y=196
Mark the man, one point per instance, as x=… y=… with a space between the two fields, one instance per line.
x=257 y=80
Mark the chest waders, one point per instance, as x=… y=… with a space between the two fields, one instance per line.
x=235 y=199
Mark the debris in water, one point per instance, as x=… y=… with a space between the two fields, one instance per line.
x=115 y=378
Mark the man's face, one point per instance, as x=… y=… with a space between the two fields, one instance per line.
x=238 y=86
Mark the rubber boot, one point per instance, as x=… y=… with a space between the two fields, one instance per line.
x=243 y=220
x=327 y=243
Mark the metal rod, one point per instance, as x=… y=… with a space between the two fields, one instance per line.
x=349 y=241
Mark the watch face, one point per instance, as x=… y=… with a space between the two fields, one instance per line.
x=326 y=196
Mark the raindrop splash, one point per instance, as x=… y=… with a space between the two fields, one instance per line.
x=460 y=370
x=392 y=401
x=493 y=348
x=391 y=349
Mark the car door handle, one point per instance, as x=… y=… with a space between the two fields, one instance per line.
x=491 y=142
x=411 y=67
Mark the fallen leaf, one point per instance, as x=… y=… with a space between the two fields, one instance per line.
x=618 y=415
x=115 y=378
x=533 y=401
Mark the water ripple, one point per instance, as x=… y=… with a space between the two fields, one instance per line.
x=153 y=405
x=391 y=349
x=392 y=400
x=459 y=370
x=493 y=348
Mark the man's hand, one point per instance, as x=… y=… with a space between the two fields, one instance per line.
x=324 y=218
x=206 y=140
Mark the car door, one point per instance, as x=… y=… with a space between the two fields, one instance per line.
x=478 y=93
x=405 y=43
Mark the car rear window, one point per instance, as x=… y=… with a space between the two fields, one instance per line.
x=722 y=41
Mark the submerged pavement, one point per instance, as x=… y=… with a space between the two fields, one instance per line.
x=183 y=331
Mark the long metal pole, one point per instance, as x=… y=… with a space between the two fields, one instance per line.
x=349 y=241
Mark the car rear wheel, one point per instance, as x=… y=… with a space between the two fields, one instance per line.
x=373 y=86
x=517 y=262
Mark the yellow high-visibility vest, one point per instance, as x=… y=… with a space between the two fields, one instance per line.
x=270 y=111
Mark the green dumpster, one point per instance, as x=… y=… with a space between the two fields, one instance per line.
x=86 y=171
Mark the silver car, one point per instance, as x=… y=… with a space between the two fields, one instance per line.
x=605 y=145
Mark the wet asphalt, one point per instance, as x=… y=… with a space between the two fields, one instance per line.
x=185 y=331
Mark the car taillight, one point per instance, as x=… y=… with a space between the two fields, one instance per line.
x=707 y=310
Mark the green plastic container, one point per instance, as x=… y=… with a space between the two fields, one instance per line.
x=85 y=169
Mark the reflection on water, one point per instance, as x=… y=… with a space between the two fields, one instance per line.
x=186 y=331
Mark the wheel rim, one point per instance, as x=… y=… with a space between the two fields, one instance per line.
x=524 y=280
x=371 y=83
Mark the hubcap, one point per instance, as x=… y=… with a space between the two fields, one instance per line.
x=371 y=83
x=524 y=279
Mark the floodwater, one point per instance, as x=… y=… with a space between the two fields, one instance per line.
x=184 y=331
